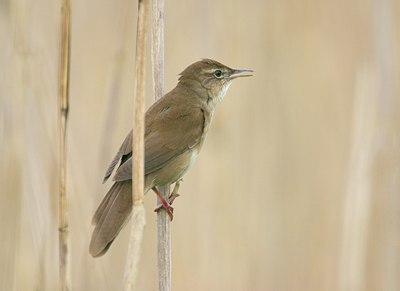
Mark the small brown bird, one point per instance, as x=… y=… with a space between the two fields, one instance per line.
x=175 y=128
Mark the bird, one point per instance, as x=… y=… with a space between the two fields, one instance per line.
x=176 y=126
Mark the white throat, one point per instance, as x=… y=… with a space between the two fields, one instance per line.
x=223 y=91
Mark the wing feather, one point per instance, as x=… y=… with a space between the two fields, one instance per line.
x=170 y=135
x=124 y=150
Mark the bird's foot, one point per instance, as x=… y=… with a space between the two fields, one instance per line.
x=166 y=203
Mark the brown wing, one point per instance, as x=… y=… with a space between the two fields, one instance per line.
x=179 y=135
x=170 y=134
x=124 y=153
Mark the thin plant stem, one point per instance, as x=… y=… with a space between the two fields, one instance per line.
x=64 y=238
x=163 y=221
x=138 y=212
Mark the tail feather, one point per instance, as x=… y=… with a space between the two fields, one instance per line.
x=110 y=217
x=104 y=203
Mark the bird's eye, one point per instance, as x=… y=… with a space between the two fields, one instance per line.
x=218 y=73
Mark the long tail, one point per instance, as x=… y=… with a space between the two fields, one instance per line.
x=110 y=217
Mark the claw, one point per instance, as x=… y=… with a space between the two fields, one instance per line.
x=169 y=209
x=166 y=204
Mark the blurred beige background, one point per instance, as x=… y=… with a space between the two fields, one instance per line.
x=298 y=184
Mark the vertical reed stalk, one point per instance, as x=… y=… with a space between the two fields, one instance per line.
x=358 y=195
x=64 y=238
x=138 y=213
x=163 y=222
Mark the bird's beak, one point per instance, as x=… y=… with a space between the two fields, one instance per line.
x=238 y=73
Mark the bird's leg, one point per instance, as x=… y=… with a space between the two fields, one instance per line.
x=166 y=204
x=174 y=193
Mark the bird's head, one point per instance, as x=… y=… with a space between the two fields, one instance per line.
x=211 y=77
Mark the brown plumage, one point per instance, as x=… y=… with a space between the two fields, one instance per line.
x=175 y=129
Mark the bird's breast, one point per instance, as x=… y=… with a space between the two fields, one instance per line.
x=175 y=169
